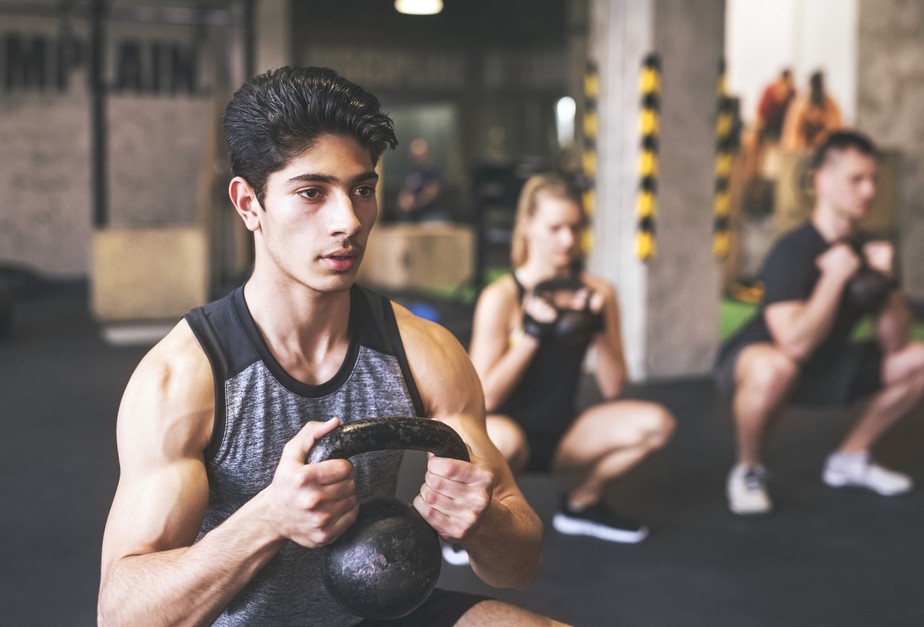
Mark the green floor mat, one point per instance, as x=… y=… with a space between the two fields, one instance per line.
x=735 y=313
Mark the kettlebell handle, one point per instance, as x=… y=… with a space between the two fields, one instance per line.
x=391 y=433
x=856 y=244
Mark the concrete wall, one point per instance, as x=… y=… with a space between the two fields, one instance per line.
x=273 y=34
x=45 y=205
x=669 y=303
x=156 y=137
x=891 y=99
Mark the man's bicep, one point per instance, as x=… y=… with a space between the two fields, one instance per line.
x=780 y=316
x=451 y=392
x=156 y=509
x=163 y=428
x=442 y=371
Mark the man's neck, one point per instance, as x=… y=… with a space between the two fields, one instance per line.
x=305 y=330
x=832 y=226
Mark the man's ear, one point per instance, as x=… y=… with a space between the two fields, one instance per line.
x=245 y=202
x=819 y=178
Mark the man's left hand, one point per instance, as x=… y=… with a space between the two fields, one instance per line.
x=454 y=496
x=880 y=256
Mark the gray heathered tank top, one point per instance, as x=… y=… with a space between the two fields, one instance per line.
x=259 y=407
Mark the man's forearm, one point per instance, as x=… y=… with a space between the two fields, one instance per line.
x=189 y=585
x=801 y=333
x=505 y=549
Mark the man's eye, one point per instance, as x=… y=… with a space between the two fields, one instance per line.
x=365 y=191
x=310 y=193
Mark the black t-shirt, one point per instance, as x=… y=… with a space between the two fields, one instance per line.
x=790 y=273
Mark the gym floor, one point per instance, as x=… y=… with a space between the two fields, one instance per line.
x=825 y=557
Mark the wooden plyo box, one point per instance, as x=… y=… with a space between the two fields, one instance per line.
x=148 y=274
x=418 y=256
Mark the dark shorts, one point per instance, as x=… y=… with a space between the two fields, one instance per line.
x=855 y=375
x=543 y=445
x=442 y=607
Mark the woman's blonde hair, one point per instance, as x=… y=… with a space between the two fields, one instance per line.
x=548 y=184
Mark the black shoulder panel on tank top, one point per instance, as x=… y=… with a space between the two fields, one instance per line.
x=218 y=329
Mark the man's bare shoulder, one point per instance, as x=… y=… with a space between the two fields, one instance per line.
x=178 y=356
x=171 y=391
x=439 y=364
x=420 y=334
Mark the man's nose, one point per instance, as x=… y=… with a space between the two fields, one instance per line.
x=343 y=215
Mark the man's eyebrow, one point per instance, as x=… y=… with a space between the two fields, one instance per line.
x=309 y=177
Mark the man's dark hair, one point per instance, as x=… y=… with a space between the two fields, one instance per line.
x=279 y=114
x=839 y=141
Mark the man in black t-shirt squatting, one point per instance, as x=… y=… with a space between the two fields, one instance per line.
x=798 y=347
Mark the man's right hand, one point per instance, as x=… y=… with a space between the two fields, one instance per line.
x=312 y=503
x=838 y=262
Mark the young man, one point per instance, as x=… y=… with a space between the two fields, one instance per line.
x=530 y=375
x=217 y=515
x=798 y=347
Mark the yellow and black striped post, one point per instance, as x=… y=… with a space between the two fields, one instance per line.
x=724 y=147
x=590 y=130
x=649 y=126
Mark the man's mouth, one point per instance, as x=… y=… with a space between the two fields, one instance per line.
x=342 y=259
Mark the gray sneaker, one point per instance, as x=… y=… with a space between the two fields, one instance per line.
x=747 y=492
x=859 y=471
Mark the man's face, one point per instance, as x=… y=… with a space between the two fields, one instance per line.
x=317 y=214
x=846 y=183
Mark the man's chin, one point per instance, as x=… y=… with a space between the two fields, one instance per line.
x=341 y=281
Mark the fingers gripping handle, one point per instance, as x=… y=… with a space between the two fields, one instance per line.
x=378 y=434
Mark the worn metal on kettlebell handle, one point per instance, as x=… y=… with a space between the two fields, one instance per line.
x=388 y=561
x=392 y=433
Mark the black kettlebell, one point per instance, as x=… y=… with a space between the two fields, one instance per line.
x=868 y=289
x=571 y=327
x=388 y=561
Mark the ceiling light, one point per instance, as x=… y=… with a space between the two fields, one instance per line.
x=419 y=7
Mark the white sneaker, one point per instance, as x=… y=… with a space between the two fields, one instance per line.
x=747 y=492
x=455 y=555
x=858 y=470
